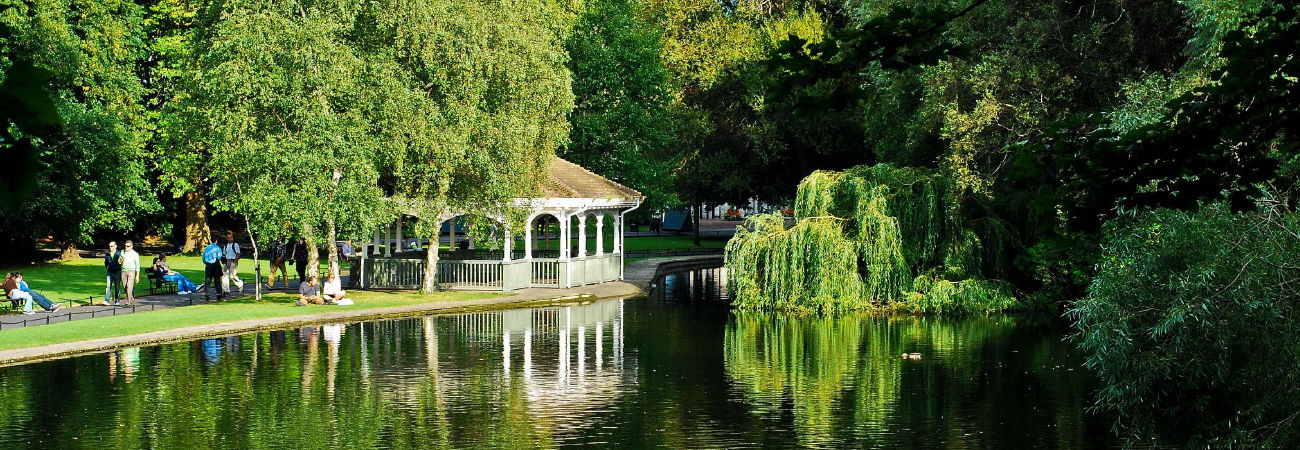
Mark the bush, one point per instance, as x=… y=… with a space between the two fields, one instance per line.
x=1191 y=324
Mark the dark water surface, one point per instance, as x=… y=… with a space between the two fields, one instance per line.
x=678 y=369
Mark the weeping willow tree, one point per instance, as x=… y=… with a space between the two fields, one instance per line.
x=871 y=237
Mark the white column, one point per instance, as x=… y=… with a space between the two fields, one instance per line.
x=374 y=243
x=600 y=234
x=582 y=235
x=564 y=236
x=508 y=242
x=528 y=239
x=399 y=232
x=618 y=233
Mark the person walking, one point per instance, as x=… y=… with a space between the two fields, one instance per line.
x=130 y=261
x=114 y=270
x=212 y=258
x=279 y=253
x=231 y=253
x=299 y=256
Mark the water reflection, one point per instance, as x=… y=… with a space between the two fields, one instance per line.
x=679 y=370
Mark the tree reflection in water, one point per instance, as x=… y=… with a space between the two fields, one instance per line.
x=676 y=370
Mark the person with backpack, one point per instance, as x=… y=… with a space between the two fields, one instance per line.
x=212 y=259
x=279 y=254
x=231 y=266
x=298 y=253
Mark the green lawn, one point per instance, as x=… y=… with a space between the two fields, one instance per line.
x=81 y=278
x=272 y=305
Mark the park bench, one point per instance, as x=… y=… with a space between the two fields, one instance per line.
x=157 y=284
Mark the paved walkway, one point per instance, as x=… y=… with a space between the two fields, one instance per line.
x=142 y=304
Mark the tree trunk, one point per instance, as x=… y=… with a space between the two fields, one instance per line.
x=334 y=249
x=69 y=251
x=695 y=217
x=431 y=263
x=197 y=233
x=313 y=253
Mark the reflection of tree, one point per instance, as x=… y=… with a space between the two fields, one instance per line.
x=808 y=359
x=842 y=378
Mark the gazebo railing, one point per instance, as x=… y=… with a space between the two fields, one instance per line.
x=471 y=275
x=545 y=272
x=487 y=275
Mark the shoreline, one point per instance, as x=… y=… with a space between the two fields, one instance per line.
x=638 y=276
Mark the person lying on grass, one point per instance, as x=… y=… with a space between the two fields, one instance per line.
x=309 y=293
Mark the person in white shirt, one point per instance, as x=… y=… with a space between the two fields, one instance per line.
x=333 y=290
x=231 y=269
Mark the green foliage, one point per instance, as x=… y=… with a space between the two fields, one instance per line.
x=878 y=226
x=938 y=296
x=622 y=127
x=1220 y=141
x=280 y=92
x=1191 y=323
x=90 y=175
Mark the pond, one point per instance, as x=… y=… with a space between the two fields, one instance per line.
x=678 y=369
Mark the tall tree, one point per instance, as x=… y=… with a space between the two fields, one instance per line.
x=622 y=123
x=281 y=94
x=90 y=172
x=474 y=99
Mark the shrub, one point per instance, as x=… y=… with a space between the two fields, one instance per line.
x=1191 y=324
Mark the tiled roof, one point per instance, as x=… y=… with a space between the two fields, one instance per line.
x=569 y=180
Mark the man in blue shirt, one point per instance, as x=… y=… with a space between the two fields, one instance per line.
x=212 y=256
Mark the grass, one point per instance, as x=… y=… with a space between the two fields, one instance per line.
x=245 y=308
x=81 y=278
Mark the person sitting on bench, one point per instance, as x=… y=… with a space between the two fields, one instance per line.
x=17 y=289
x=183 y=285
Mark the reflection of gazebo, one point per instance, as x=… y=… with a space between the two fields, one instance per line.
x=570 y=196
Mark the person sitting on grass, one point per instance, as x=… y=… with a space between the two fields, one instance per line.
x=309 y=292
x=183 y=285
x=15 y=288
x=333 y=290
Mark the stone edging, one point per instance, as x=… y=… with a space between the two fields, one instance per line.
x=642 y=273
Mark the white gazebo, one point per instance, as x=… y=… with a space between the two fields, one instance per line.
x=582 y=203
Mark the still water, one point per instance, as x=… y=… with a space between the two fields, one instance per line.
x=678 y=369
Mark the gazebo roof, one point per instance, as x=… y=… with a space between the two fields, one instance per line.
x=569 y=180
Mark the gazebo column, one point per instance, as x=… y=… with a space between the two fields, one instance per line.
x=618 y=233
x=374 y=243
x=508 y=241
x=528 y=239
x=600 y=234
x=564 y=237
x=399 y=233
x=582 y=235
